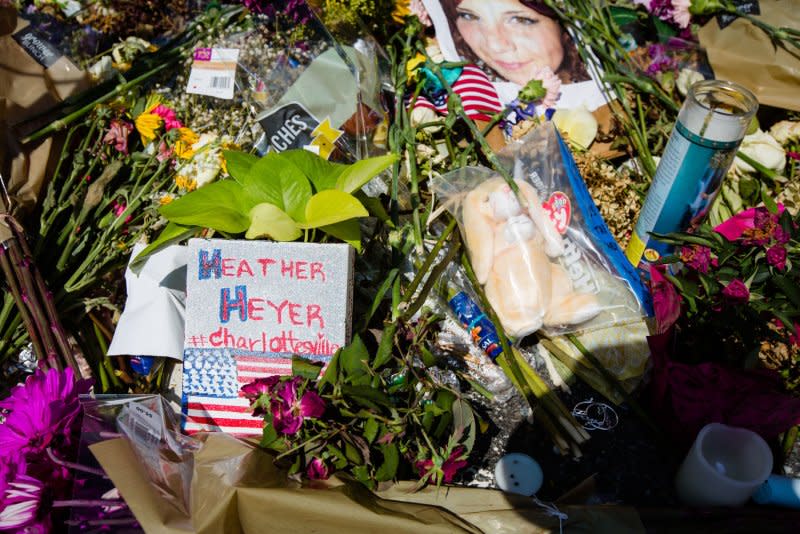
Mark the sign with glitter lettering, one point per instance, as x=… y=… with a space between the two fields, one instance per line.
x=251 y=306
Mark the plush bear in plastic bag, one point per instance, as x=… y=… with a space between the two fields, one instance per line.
x=514 y=251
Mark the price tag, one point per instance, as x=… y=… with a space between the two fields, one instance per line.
x=213 y=72
x=144 y=422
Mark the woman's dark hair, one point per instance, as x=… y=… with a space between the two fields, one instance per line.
x=571 y=69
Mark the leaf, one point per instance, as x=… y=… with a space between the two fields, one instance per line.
x=371 y=429
x=768 y=202
x=276 y=180
x=269 y=436
x=353 y=357
x=330 y=207
x=386 y=345
x=321 y=172
x=427 y=357
x=172 y=233
x=340 y=459
x=305 y=368
x=219 y=205
x=268 y=220
x=352 y=454
x=375 y=208
x=372 y=395
x=623 y=15
x=331 y=375
x=347 y=231
x=464 y=422
x=238 y=163
x=361 y=172
x=789 y=288
x=391 y=460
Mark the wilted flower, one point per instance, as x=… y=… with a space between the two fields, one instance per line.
x=687 y=78
x=446 y=471
x=763 y=148
x=183 y=146
x=776 y=256
x=317 y=470
x=289 y=411
x=204 y=166
x=260 y=386
x=785 y=131
x=117 y=135
x=698 y=257
x=736 y=292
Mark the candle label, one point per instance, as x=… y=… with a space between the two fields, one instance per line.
x=688 y=178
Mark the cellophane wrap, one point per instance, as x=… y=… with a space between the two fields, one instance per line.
x=543 y=254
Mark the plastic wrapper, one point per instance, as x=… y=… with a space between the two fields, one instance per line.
x=153 y=432
x=544 y=256
x=325 y=98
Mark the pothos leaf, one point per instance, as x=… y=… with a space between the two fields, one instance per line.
x=238 y=163
x=219 y=205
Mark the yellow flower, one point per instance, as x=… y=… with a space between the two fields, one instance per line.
x=223 y=164
x=184 y=182
x=401 y=11
x=183 y=146
x=147 y=124
x=166 y=199
x=413 y=64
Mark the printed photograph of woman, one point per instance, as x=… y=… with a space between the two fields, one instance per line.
x=514 y=38
x=512 y=41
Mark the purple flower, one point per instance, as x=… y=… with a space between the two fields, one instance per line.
x=21 y=500
x=317 y=470
x=260 y=386
x=289 y=411
x=776 y=256
x=39 y=411
x=698 y=257
x=661 y=60
x=736 y=292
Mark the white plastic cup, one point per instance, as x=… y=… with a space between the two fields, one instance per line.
x=724 y=467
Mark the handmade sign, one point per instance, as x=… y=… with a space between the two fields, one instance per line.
x=250 y=306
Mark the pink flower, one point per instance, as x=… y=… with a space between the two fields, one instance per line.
x=289 y=411
x=666 y=300
x=552 y=85
x=118 y=208
x=776 y=256
x=117 y=135
x=448 y=470
x=736 y=292
x=417 y=7
x=317 y=470
x=698 y=257
x=680 y=12
x=793 y=155
x=39 y=411
x=733 y=228
x=794 y=339
x=168 y=115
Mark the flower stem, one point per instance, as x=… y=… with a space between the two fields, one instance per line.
x=75 y=466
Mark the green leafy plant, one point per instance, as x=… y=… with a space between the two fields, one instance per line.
x=281 y=196
x=373 y=416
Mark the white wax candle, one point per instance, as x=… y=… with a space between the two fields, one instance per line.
x=724 y=467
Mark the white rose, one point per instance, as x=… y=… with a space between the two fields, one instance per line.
x=785 y=131
x=687 y=78
x=764 y=149
x=578 y=124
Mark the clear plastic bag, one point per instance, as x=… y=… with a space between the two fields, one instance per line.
x=153 y=432
x=543 y=256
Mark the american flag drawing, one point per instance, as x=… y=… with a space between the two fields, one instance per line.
x=250 y=306
x=212 y=397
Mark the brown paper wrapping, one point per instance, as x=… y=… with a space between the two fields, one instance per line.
x=744 y=54
x=26 y=90
x=236 y=489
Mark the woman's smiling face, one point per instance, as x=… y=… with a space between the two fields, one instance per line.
x=511 y=38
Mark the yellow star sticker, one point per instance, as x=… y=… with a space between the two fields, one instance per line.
x=325 y=136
